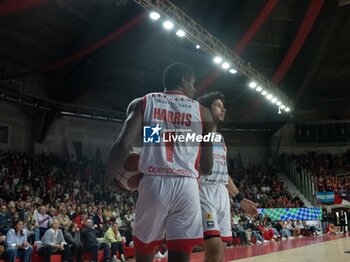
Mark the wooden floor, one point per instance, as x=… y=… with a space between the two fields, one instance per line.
x=313 y=249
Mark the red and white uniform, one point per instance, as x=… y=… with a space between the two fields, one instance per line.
x=214 y=197
x=168 y=203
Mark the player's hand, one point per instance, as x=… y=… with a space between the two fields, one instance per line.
x=249 y=207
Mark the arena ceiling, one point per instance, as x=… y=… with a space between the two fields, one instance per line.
x=52 y=40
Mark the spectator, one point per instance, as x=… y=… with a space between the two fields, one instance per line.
x=90 y=244
x=331 y=229
x=31 y=224
x=128 y=235
x=239 y=230
x=17 y=244
x=297 y=229
x=80 y=220
x=62 y=217
x=53 y=242
x=2 y=245
x=128 y=217
x=113 y=237
x=5 y=220
x=324 y=221
x=342 y=219
x=72 y=236
x=100 y=221
x=44 y=220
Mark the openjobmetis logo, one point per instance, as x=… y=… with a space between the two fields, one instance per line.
x=156 y=134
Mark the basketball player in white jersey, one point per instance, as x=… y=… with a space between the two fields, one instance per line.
x=215 y=189
x=168 y=205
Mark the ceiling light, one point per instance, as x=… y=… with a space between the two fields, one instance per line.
x=252 y=84
x=217 y=60
x=168 y=25
x=154 y=16
x=264 y=93
x=283 y=106
x=180 y=33
x=287 y=109
x=274 y=100
x=233 y=71
x=225 y=65
x=269 y=97
x=198 y=46
x=259 y=88
x=278 y=103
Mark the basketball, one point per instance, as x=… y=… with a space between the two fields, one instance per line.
x=129 y=178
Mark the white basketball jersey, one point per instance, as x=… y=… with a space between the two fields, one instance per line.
x=219 y=174
x=168 y=115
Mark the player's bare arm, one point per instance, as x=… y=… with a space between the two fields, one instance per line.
x=248 y=205
x=206 y=161
x=130 y=133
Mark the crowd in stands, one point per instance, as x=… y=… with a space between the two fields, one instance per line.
x=262 y=185
x=261 y=229
x=49 y=197
x=330 y=173
x=64 y=205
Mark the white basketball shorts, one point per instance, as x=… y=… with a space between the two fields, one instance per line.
x=215 y=205
x=167 y=208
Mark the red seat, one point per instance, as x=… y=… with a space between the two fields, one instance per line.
x=37 y=258
x=236 y=241
x=128 y=251
x=87 y=256
x=253 y=239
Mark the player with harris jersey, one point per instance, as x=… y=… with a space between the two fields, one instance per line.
x=215 y=189
x=168 y=204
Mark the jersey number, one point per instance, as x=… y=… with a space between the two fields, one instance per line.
x=169 y=146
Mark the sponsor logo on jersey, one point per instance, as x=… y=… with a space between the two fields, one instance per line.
x=209 y=216
x=210 y=224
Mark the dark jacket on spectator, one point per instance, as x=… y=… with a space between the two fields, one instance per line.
x=88 y=236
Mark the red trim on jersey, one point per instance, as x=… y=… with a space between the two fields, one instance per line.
x=198 y=159
x=211 y=233
x=144 y=105
x=169 y=149
x=146 y=248
x=226 y=239
x=183 y=245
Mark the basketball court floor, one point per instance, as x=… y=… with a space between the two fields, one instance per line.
x=311 y=249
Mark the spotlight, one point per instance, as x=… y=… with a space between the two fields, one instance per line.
x=225 y=65
x=217 y=60
x=168 y=25
x=283 y=106
x=252 y=85
x=233 y=71
x=264 y=93
x=269 y=97
x=287 y=109
x=180 y=33
x=274 y=100
x=154 y=16
x=198 y=46
x=259 y=88
x=278 y=103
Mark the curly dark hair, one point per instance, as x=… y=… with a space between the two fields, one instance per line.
x=207 y=99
